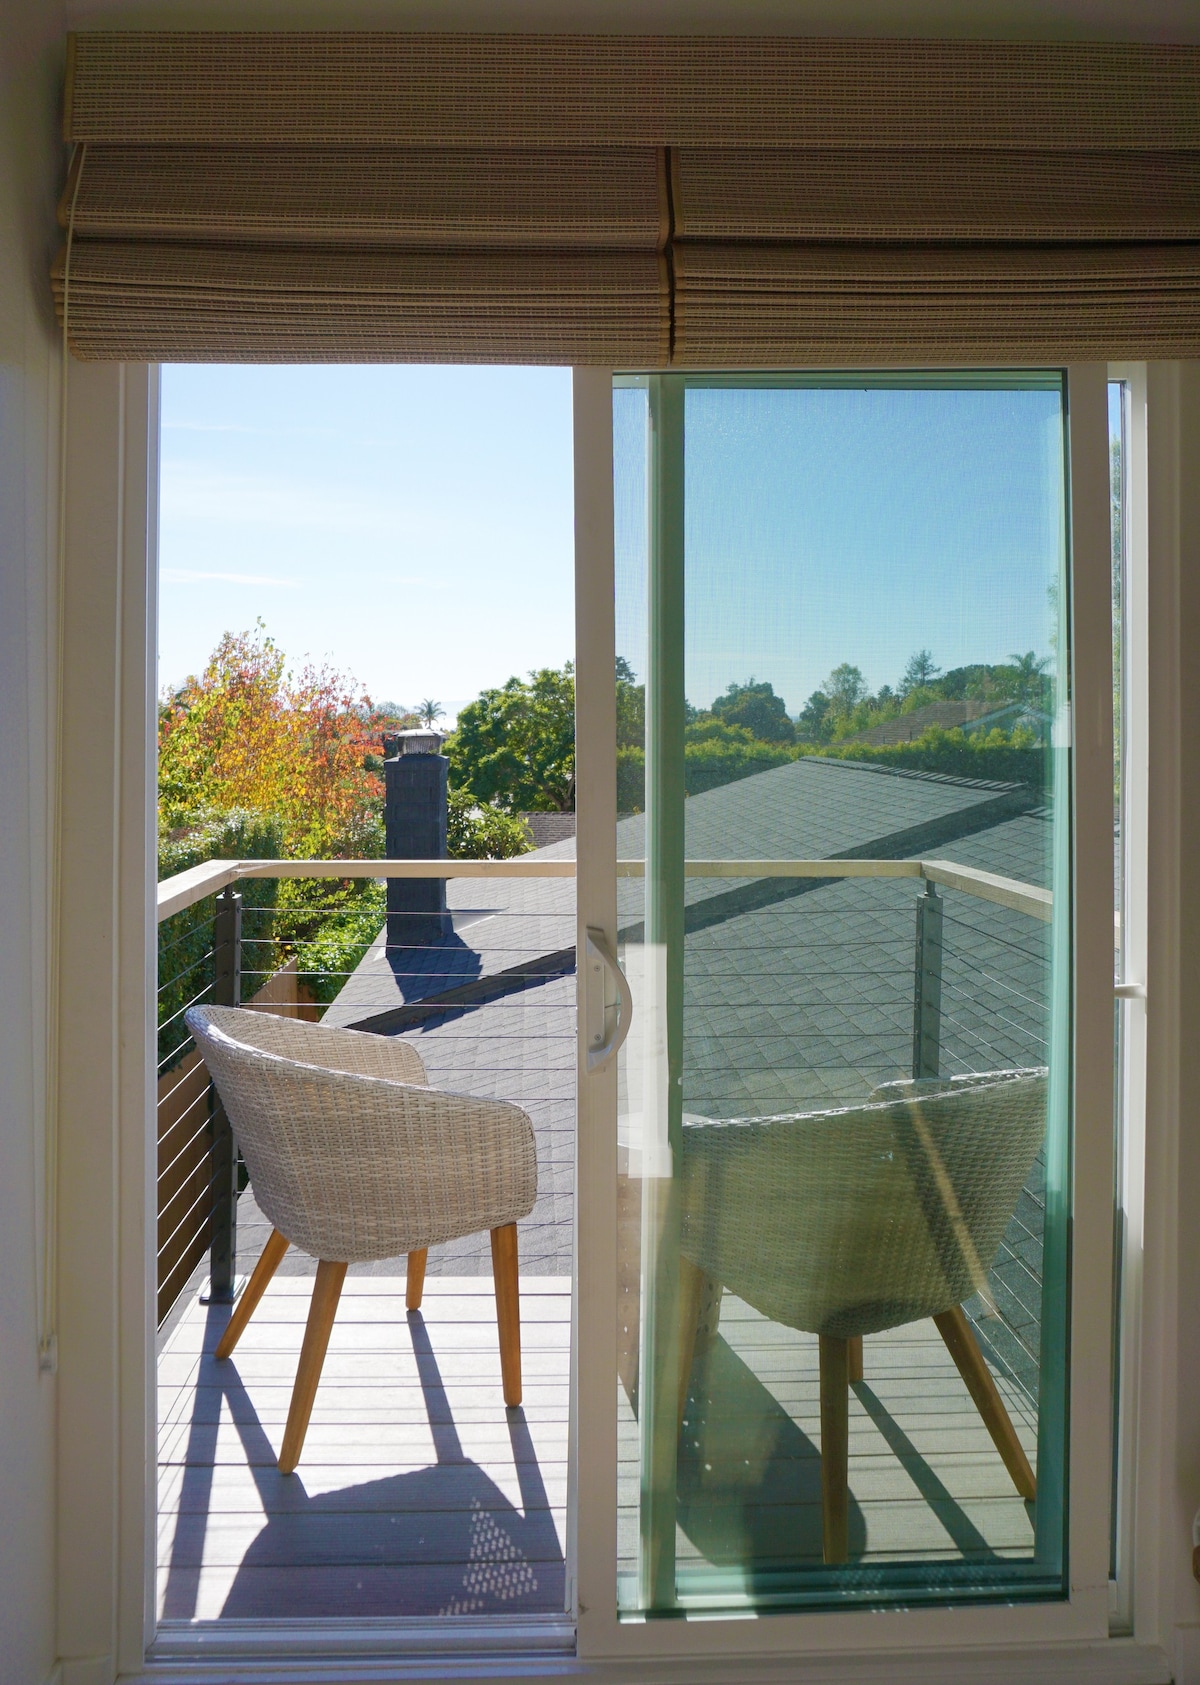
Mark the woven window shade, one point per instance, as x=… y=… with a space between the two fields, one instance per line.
x=605 y=199
x=629 y=200
x=179 y=303
x=762 y=306
x=930 y=197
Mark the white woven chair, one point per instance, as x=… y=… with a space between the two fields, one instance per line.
x=849 y=1222
x=353 y=1159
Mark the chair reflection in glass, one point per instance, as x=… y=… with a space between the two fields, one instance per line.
x=849 y=1222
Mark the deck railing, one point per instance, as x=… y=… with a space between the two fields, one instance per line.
x=198 y=1168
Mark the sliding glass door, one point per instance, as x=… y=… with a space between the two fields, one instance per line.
x=844 y=897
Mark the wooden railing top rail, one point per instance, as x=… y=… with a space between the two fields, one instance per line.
x=186 y=888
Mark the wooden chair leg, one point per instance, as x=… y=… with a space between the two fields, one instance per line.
x=964 y=1349
x=854 y=1358
x=414 y=1284
x=691 y=1293
x=508 y=1309
x=835 y=1447
x=327 y=1290
x=243 y=1310
x=699 y=1309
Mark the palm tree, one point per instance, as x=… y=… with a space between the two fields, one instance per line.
x=1030 y=670
x=429 y=712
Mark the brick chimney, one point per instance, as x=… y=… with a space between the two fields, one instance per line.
x=415 y=775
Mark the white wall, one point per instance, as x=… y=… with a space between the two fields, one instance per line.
x=30 y=167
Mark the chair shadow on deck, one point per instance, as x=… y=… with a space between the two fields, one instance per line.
x=441 y=1540
x=749 y=1492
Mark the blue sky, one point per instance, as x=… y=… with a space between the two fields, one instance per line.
x=412 y=525
x=847 y=525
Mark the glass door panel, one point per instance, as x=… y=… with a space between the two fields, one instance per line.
x=844 y=911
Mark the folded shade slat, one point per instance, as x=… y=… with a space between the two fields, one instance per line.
x=813 y=193
x=771 y=306
x=143 y=301
x=598 y=198
x=435 y=90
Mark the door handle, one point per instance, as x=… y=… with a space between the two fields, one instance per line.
x=608 y=1020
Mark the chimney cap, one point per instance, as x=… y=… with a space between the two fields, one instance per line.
x=421 y=741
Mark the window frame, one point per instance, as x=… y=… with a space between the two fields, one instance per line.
x=1083 y=1615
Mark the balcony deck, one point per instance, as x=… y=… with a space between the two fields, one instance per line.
x=418 y=1493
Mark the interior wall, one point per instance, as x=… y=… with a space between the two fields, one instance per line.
x=30 y=172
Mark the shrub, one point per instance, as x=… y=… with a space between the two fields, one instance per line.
x=479 y=831
x=1004 y=757
x=324 y=962
x=185 y=962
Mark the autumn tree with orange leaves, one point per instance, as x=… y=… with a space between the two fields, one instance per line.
x=247 y=733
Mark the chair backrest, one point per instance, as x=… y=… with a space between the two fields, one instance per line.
x=851 y=1221
x=354 y=1051
x=350 y=1155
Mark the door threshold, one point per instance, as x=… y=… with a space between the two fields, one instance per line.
x=412 y=1637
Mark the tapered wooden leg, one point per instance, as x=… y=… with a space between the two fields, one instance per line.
x=508 y=1309
x=327 y=1290
x=964 y=1349
x=835 y=1447
x=269 y=1261
x=854 y=1358
x=414 y=1284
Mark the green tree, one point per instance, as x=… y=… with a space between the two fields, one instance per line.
x=1030 y=671
x=921 y=671
x=845 y=687
x=814 y=724
x=631 y=707
x=514 y=747
x=429 y=712
x=758 y=710
x=475 y=832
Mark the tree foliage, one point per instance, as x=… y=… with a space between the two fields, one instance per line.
x=921 y=670
x=514 y=747
x=248 y=734
x=482 y=832
x=756 y=708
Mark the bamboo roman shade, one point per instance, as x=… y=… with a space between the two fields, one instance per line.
x=636 y=201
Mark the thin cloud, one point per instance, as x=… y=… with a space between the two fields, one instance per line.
x=194 y=576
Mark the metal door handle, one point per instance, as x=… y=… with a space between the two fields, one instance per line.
x=607 y=1020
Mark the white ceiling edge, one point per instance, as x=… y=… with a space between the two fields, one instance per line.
x=1021 y=20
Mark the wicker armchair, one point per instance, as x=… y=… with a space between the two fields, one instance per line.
x=353 y=1159
x=849 y=1222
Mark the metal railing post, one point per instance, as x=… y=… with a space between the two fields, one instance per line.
x=927 y=986
x=227 y=991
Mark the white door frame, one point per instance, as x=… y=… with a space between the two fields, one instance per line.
x=105 y=1431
